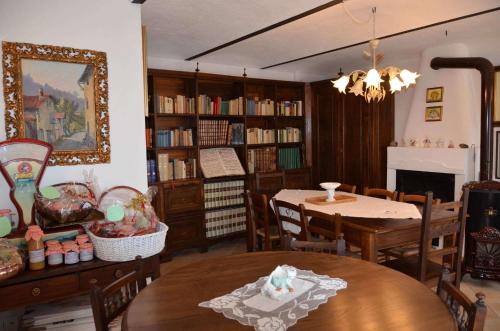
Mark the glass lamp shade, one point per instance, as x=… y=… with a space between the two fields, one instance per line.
x=341 y=83
x=408 y=77
x=372 y=78
x=396 y=84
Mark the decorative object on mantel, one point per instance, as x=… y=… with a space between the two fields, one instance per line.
x=434 y=114
x=22 y=163
x=368 y=84
x=393 y=143
x=427 y=142
x=248 y=306
x=463 y=146
x=403 y=142
x=412 y=142
x=440 y=143
x=434 y=94
x=451 y=144
x=58 y=95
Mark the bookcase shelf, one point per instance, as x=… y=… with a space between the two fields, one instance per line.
x=182 y=203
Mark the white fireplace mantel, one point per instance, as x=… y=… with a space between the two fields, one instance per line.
x=457 y=161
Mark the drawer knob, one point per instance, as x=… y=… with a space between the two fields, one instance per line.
x=93 y=281
x=118 y=273
x=35 y=291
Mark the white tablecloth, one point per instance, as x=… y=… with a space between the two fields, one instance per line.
x=366 y=207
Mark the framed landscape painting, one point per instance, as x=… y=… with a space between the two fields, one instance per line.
x=58 y=95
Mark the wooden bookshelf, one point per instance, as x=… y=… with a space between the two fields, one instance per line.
x=181 y=203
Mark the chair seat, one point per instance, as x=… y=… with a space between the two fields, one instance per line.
x=273 y=232
x=409 y=266
x=116 y=323
x=401 y=252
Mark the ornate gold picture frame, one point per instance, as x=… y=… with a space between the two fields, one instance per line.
x=58 y=95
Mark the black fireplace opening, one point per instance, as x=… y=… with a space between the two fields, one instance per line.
x=419 y=182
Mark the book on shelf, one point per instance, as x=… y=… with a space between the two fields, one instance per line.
x=151 y=171
x=289 y=108
x=149 y=137
x=261 y=160
x=289 y=158
x=179 y=104
x=260 y=136
x=217 y=162
x=223 y=194
x=260 y=107
x=174 y=137
x=216 y=106
x=219 y=223
x=220 y=132
x=289 y=135
x=176 y=168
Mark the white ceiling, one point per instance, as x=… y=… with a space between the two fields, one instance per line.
x=178 y=29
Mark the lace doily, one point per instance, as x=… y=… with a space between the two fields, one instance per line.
x=241 y=304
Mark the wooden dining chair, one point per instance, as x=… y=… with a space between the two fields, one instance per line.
x=324 y=228
x=270 y=183
x=416 y=199
x=288 y=217
x=422 y=266
x=347 y=188
x=261 y=234
x=380 y=193
x=110 y=302
x=470 y=316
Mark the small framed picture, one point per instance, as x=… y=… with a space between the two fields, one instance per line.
x=434 y=94
x=497 y=158
x=433 y=114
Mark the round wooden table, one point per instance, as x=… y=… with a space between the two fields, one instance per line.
x=376 y=297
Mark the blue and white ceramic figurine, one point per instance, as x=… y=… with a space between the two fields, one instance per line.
x=279 y=282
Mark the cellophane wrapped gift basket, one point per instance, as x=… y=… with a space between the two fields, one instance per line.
x=131 y=227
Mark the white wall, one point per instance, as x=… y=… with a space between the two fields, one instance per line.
x=111 y=26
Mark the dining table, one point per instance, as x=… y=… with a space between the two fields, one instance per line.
x=375 y=298
x=372 y=224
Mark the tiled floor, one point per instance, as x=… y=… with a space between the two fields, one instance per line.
x=469 y=286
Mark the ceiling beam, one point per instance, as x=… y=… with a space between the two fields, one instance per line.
x=384 y=37
x=268 y=28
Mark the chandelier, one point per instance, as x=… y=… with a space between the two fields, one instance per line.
x=369 y=84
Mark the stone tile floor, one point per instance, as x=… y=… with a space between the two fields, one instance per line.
x=469 y=286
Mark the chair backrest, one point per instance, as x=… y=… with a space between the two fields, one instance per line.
x=416 y=199
x=257 y=213
x=289 y=213
x=289 y=243
x=380 y=193
x=455 y=230
x=328 y=226
x=470 y=316
x=347 y=188
x=112 y=300
x=269 y=183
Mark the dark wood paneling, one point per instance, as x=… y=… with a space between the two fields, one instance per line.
x=350 y=137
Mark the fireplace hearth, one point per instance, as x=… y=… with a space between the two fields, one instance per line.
x=420 y=182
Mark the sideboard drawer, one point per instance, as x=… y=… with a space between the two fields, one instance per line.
x=38 y=291
x=182 y=199
x=105 y=276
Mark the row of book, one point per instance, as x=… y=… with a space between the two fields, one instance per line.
x=176 y=168
x=217 y=106
x=220 y=132
x=149 y=137
x=289 y=108
x=175 y=105
x=289 y=158
x=260 y=107
x=174 y=137
x=223 y=222
x=289 y=135
x=224 y=194
x=262 y=160
x=260 y=136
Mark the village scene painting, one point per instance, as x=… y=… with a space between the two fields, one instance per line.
x=58 y=104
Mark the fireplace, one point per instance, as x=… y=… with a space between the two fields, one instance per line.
x=419 y=182
x=441 y=170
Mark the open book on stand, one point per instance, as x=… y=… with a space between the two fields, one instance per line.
x=217 y=162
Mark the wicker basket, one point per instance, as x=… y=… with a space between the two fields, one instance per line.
x=128 y=248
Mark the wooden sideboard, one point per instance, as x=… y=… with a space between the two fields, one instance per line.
x=51 y=283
